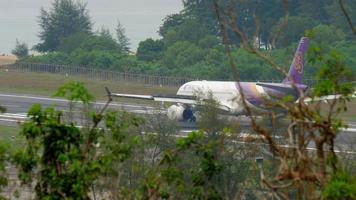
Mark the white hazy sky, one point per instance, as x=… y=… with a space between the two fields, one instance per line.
x=141 y=18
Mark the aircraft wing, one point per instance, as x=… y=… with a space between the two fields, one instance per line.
x=182 y=99
x=325 y=98
x=162 y=98
x=132 y=96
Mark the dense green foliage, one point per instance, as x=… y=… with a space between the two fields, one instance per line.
x=341 y=186
x=150 y=50
x=191 y=45
x=55 y=150
x=63 y=159
x=58 y=150
x=66 y=17
x=4 y=157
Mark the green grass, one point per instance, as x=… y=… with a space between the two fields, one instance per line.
x=46 y=84
x=10 y=136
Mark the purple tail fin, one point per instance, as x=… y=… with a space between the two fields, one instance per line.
x=296 y=69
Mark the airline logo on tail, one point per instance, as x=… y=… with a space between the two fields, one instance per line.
x=298 y=65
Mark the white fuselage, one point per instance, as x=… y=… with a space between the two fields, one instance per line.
x=225 y=93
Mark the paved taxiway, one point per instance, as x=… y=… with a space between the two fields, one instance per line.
x=21 y=103
x=18 y=105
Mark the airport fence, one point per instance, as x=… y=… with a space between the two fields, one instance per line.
x=111 y=75
x=98 y=74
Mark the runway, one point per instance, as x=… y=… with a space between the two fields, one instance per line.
x=21 y=104
x=18 y=105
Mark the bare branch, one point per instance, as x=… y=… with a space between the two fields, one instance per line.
x=349 y=21
x=233 y=25
x=98 y=118
x=306 y=124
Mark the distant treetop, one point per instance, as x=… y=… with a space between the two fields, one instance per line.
x=65 y=18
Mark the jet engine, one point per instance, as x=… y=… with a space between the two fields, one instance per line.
x=181 y=113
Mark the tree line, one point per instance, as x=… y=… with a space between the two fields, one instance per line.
x=191 y=44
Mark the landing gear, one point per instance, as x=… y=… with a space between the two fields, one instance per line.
x=188 y=115
x=181 y=113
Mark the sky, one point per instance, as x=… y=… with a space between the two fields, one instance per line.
x=140 y=18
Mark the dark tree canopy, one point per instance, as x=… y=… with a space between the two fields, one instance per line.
x=21 y=49
x=65 y=17
x=150 y=50
x=191 y=43
x=100 y=43
x=269 y=14
x=172 y=21
x=122 y=40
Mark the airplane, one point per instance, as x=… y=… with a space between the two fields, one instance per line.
x=227 y=93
